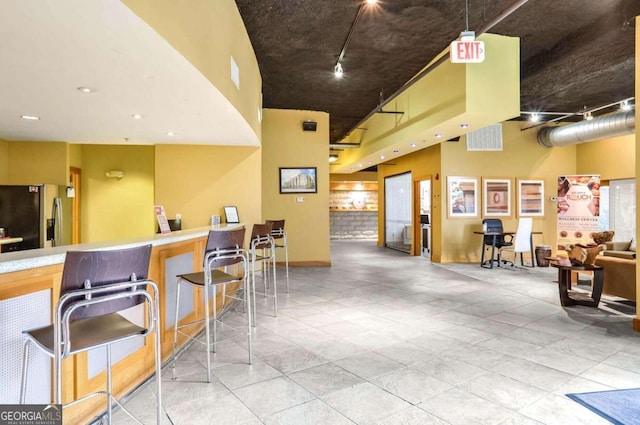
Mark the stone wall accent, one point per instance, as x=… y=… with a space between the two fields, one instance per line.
x=354 y=225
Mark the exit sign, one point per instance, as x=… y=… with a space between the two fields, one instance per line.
x=467 y=51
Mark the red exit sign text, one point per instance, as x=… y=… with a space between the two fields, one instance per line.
x=467 y=51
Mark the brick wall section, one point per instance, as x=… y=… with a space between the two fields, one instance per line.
x=354 y=225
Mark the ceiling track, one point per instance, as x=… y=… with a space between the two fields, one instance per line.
x=495 y=21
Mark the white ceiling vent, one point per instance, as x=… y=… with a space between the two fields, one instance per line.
x=485 y=139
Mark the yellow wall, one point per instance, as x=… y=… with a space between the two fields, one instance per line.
x=207 y=33
x=612 y=158
x=4 y=162
x=117 y=209
x=423 y=165
x=38 y=162
x=284 y=144
x=197 y=181
x=522 y=158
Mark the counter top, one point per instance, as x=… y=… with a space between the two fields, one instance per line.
x=34 y=258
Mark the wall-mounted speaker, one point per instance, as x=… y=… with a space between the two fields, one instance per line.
x=309 y=126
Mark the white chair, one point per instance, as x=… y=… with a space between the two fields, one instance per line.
x=521 y=241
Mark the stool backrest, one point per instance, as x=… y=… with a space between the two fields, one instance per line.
x=92 y=269
x=277 y=228
x=225 y=242
x=260 y=235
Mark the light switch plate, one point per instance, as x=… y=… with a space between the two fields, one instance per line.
x=299 y=199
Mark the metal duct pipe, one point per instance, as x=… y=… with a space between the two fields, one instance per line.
x=610 y=125
x=486 y=27
x=343 y=145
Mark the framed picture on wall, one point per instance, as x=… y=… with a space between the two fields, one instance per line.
x=530 y=198
x=298 y=180
x=231 y=214
x=496 y=197
x=462 y=195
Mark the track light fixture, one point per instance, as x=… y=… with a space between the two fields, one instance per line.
x=534 y=117
x=338 y=72
x=625 y=105
x=587 y=116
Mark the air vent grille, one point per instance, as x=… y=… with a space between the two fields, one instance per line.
x=486 y=139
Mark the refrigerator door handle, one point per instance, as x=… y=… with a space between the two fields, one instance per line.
x=56 y=214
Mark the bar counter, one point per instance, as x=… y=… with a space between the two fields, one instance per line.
x=29 y=289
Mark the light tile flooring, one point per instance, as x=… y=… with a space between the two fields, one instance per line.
x=385 y=338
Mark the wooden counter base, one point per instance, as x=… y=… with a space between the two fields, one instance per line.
x=183 y=254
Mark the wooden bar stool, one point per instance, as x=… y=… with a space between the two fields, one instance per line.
x=280 y=236
x=263 y=250
x=224 y=249
x=96 y=287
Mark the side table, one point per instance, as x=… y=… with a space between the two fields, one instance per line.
x=568 y=297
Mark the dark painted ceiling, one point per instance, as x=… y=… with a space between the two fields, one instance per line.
x=575 y=54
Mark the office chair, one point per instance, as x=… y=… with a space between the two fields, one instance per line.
x=495 y=242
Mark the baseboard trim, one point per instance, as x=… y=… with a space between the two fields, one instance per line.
x=636 y=324
x=306 y=263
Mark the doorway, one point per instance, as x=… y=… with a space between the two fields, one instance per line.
x=423 y=202
x=398 y=232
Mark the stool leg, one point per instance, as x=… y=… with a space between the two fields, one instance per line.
x=247 y=288
x=207 y=329
x=175 y=332
x=286 y=260
x=275 y=282
x=109 y=389
x=25 y=370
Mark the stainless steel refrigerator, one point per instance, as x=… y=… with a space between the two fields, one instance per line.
x=33 y=213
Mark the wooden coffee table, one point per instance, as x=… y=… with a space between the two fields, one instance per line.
x=568 y=297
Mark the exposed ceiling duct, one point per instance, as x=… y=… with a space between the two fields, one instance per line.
x=611 y=125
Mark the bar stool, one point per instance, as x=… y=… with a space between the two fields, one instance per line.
x=224 y=248
x=96 y=286
x=263 y=250
x=278 y=233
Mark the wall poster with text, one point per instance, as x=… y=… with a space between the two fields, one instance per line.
x=578 y=209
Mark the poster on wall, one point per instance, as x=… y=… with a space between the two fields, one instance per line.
x=578 y=209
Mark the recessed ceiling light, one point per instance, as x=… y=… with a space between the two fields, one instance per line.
x=369 y=162
x=29 y=117
x=381 y=156
x=438 y=135
x=136 y=116
x=333 y=158
x=372 y=1
x=360 y=165
x=170 y=133
x=464 y=125
x=413 y=145
x=86 y=89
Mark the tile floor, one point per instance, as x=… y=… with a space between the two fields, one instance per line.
x=385 y=338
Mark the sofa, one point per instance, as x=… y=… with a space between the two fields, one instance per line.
x=619 y=262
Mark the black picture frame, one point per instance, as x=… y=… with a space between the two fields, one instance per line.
x=231 y=214
x=298 y=180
